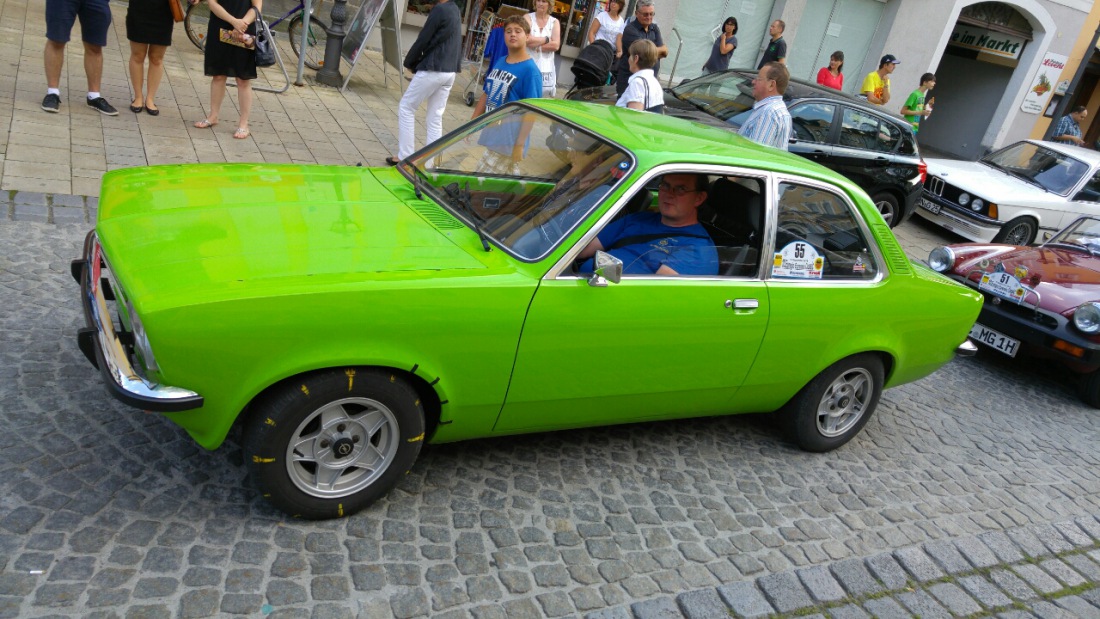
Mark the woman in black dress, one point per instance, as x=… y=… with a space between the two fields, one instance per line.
x=223 y=59
x=149 y=28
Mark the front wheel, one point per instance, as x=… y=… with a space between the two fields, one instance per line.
x=833 y=407
x=1090 y=388
x=1019 y=231
x=331 y=443
x=316 y=40
x=195 y=23
x=887 y=206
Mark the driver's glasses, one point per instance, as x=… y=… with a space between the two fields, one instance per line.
x=676 y=190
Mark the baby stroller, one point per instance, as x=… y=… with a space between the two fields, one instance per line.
x=592 y=66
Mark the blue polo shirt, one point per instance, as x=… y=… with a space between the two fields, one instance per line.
x=687 y=255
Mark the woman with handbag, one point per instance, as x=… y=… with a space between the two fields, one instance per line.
x=230 y=38
x=149 y=26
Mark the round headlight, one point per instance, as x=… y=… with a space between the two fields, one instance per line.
x=941 y=259
x=964 y=199
x=1087 y=317
x=977 y=205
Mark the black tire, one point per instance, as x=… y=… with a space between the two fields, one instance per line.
x=1019 y=231
x=833 y=407
x=298 y=429
x=1090 y=388
x=195 y=22
x=888 y=207
x=316 y=40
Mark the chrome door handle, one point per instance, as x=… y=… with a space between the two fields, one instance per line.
x=742 y=304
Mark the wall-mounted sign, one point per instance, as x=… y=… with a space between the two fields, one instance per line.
x=1043 y=83
x=986 y=41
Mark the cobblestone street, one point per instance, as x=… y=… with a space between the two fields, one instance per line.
x=105 y=511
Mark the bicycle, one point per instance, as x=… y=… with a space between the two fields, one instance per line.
x=198 y=16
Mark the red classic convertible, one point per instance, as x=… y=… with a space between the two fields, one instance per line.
x=1042 y=301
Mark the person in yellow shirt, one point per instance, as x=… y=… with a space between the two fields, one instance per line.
x=876 y=86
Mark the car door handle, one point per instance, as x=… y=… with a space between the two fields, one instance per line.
x=742 y=304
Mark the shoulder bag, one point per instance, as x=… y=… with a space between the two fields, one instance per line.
x=265 y=47
x=177 y=10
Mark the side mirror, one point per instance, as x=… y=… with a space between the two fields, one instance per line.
x=607 y=268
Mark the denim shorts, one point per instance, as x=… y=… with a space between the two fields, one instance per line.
x=95 y=19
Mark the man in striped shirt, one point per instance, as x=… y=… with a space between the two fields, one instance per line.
x=770 y=122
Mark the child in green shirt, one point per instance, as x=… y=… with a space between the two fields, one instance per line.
x=914 y=108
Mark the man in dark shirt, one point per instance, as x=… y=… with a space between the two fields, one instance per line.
x=434 y=59
x=777 y=47
x=641 y=27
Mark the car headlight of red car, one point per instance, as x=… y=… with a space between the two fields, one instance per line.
x=941 y=259
x=1087 y=317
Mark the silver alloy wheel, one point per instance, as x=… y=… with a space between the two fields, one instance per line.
x=844 y=402
x=342 y=447
x=1020 y=234
x=886 y=209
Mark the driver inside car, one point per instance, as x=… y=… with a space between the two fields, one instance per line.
x=668 y=242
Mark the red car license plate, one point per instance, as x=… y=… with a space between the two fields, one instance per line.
x=995 y=339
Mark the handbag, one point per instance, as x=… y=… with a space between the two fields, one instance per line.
x=177 y=10
x=265 y=47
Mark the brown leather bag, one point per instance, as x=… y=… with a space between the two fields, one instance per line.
x=177 y=10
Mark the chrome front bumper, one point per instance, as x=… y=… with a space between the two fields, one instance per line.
x=103 y=345
x=967 y=349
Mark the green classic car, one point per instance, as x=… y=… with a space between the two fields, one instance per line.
x=551 y=265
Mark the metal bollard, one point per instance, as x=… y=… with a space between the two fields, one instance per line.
x=329 y=74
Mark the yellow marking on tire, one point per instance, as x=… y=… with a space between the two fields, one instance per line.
x=393 y=379
x=305 y=390
x=417 y=438
x=270 y=421
x=259 y=460
x=417 y=402
x=340 y=510
x=351 y=378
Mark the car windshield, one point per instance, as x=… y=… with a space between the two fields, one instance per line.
x=1083 y=234
x=1039 y=166
x=726 y=96
x=520 y=177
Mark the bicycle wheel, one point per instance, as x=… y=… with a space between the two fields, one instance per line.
x=195 y=22
x=316 y=40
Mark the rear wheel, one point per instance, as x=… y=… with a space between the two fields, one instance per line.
x=195 y=23
x=316 y=40
x=331 y=443
x=1019 y=231
x=887 y=206
x=836 y=404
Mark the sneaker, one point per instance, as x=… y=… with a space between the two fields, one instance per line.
x=52 y=103
x=100 y=104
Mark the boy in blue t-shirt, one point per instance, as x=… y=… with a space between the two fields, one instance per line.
x=512 y=77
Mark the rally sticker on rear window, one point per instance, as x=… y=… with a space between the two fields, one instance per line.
x=1004 y=285
x=798 y=260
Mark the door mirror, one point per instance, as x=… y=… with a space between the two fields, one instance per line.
x=607 y=268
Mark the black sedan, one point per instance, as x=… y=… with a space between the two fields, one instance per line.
x=864 y=142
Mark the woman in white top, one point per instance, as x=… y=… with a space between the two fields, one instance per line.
x=643 y=91
x=609 y=26
x=545 y=39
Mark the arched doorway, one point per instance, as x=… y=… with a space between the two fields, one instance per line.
x=986 y=48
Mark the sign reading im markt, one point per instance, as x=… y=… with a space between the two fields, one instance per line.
x=987 y=41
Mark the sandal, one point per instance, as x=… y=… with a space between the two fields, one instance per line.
x=205 y=123
x=392 y=161
x=241 y=133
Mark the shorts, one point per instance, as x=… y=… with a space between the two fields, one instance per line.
x=94 y=15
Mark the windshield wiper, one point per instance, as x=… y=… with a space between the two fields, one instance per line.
x=417 y=173
x=461 y=199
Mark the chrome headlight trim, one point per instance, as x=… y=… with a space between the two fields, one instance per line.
x=964 y=199
x=941 y=259
x=977 y=205
x=1087 y=317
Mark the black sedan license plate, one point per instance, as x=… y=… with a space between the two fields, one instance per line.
x=995 y=339
x=930 y=206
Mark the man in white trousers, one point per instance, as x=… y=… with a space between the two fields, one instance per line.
x=434 y=59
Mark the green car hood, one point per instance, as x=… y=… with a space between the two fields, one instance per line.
x=187 y=234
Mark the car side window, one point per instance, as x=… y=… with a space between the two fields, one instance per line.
x=818 y=236
x=864 y=130
x=733 y=216
x=1091 y=191
x=812 y=121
